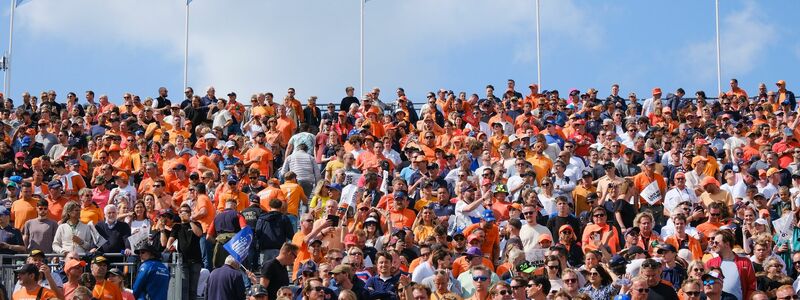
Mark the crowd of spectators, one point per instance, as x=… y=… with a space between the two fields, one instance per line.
x=520 y=195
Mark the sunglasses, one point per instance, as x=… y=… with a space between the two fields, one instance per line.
x=480 y=278
x=571 y=280
x=709 y=282
x=642 y=291
x=504 y=292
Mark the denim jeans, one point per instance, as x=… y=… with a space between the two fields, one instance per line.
x=266 y=255
x=206 y=252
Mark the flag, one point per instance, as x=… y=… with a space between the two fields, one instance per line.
x=240 y=243
x=20 y=2
x=188 y=1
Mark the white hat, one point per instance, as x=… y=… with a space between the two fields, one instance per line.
x=761 y=221
x=230 y=144
x=512 y=138
x=210 y=136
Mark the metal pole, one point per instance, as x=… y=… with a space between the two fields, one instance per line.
x=7 y=73
x=186 y=50
x=719 y=72
x=538 y=50
x=361 y=74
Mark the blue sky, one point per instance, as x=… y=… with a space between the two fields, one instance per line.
x=252 y=46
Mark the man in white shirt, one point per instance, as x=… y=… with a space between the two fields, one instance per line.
x=649 y=105
x=530 y=232
x=678 y=194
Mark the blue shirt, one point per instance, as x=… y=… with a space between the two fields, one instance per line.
x=227 y=161
x=152 y=281
x=379 y=288
x=555 y=138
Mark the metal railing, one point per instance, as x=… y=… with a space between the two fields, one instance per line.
x=57 y=265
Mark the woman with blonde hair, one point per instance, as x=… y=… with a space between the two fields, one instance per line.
x=696 y=269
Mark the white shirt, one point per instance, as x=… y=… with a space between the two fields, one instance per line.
x=693 y=179
x=422 y=271
x=221 y=117
x=529 y=234
x=675 y=196
x=768 y=190
x=732 y=283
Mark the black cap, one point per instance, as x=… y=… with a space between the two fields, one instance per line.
x=27 y=269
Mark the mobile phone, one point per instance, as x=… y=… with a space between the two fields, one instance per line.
x=334 y=220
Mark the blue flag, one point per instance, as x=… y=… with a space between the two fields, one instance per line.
x=239 y=244
x=20 y=2
x=188 y=1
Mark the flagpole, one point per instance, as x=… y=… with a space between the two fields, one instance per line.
x=719 y=72
x=538 y=51
x=186 y=49
x=361 y=73
x=7 y=73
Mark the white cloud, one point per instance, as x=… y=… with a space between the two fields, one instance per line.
x=745 y=35
x=251 y=45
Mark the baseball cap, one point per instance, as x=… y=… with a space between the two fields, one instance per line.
x=473 y=252
x=101 y=259
x=254 y=198
x=54 y=184
x=617 y=260
x=232 y=178
x=341 y=268
x=488 y=215
x=19 y=155
x=350 y=239
x=636 y=250
x=71 y=263
x=667 y=247
x=712 y=275
x=230 y=144
x=526 y=267
x=27 y=269
x=4 y=211
x=633 y=231
x=257 y=290
x=210 y=136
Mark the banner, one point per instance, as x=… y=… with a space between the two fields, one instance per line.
x=350 y=195
x=651 y=193
x=783 y=228
x=139 y=238
x=536 y=256
x=240 y=243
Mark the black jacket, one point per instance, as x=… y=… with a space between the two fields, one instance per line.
x=272 y=230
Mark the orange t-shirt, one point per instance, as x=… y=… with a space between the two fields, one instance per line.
x=294 y=194
x=241 y=199
x=263 y=158
x=641 y=181
x=268 y=194
x=22 y=211
x=404 y=218
x=286 y=126
x=91 y=214
x=492 y=237
x=106 y=290
x=55 y=207
x=201 y=202
x=24 y=294
x=461 y=265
